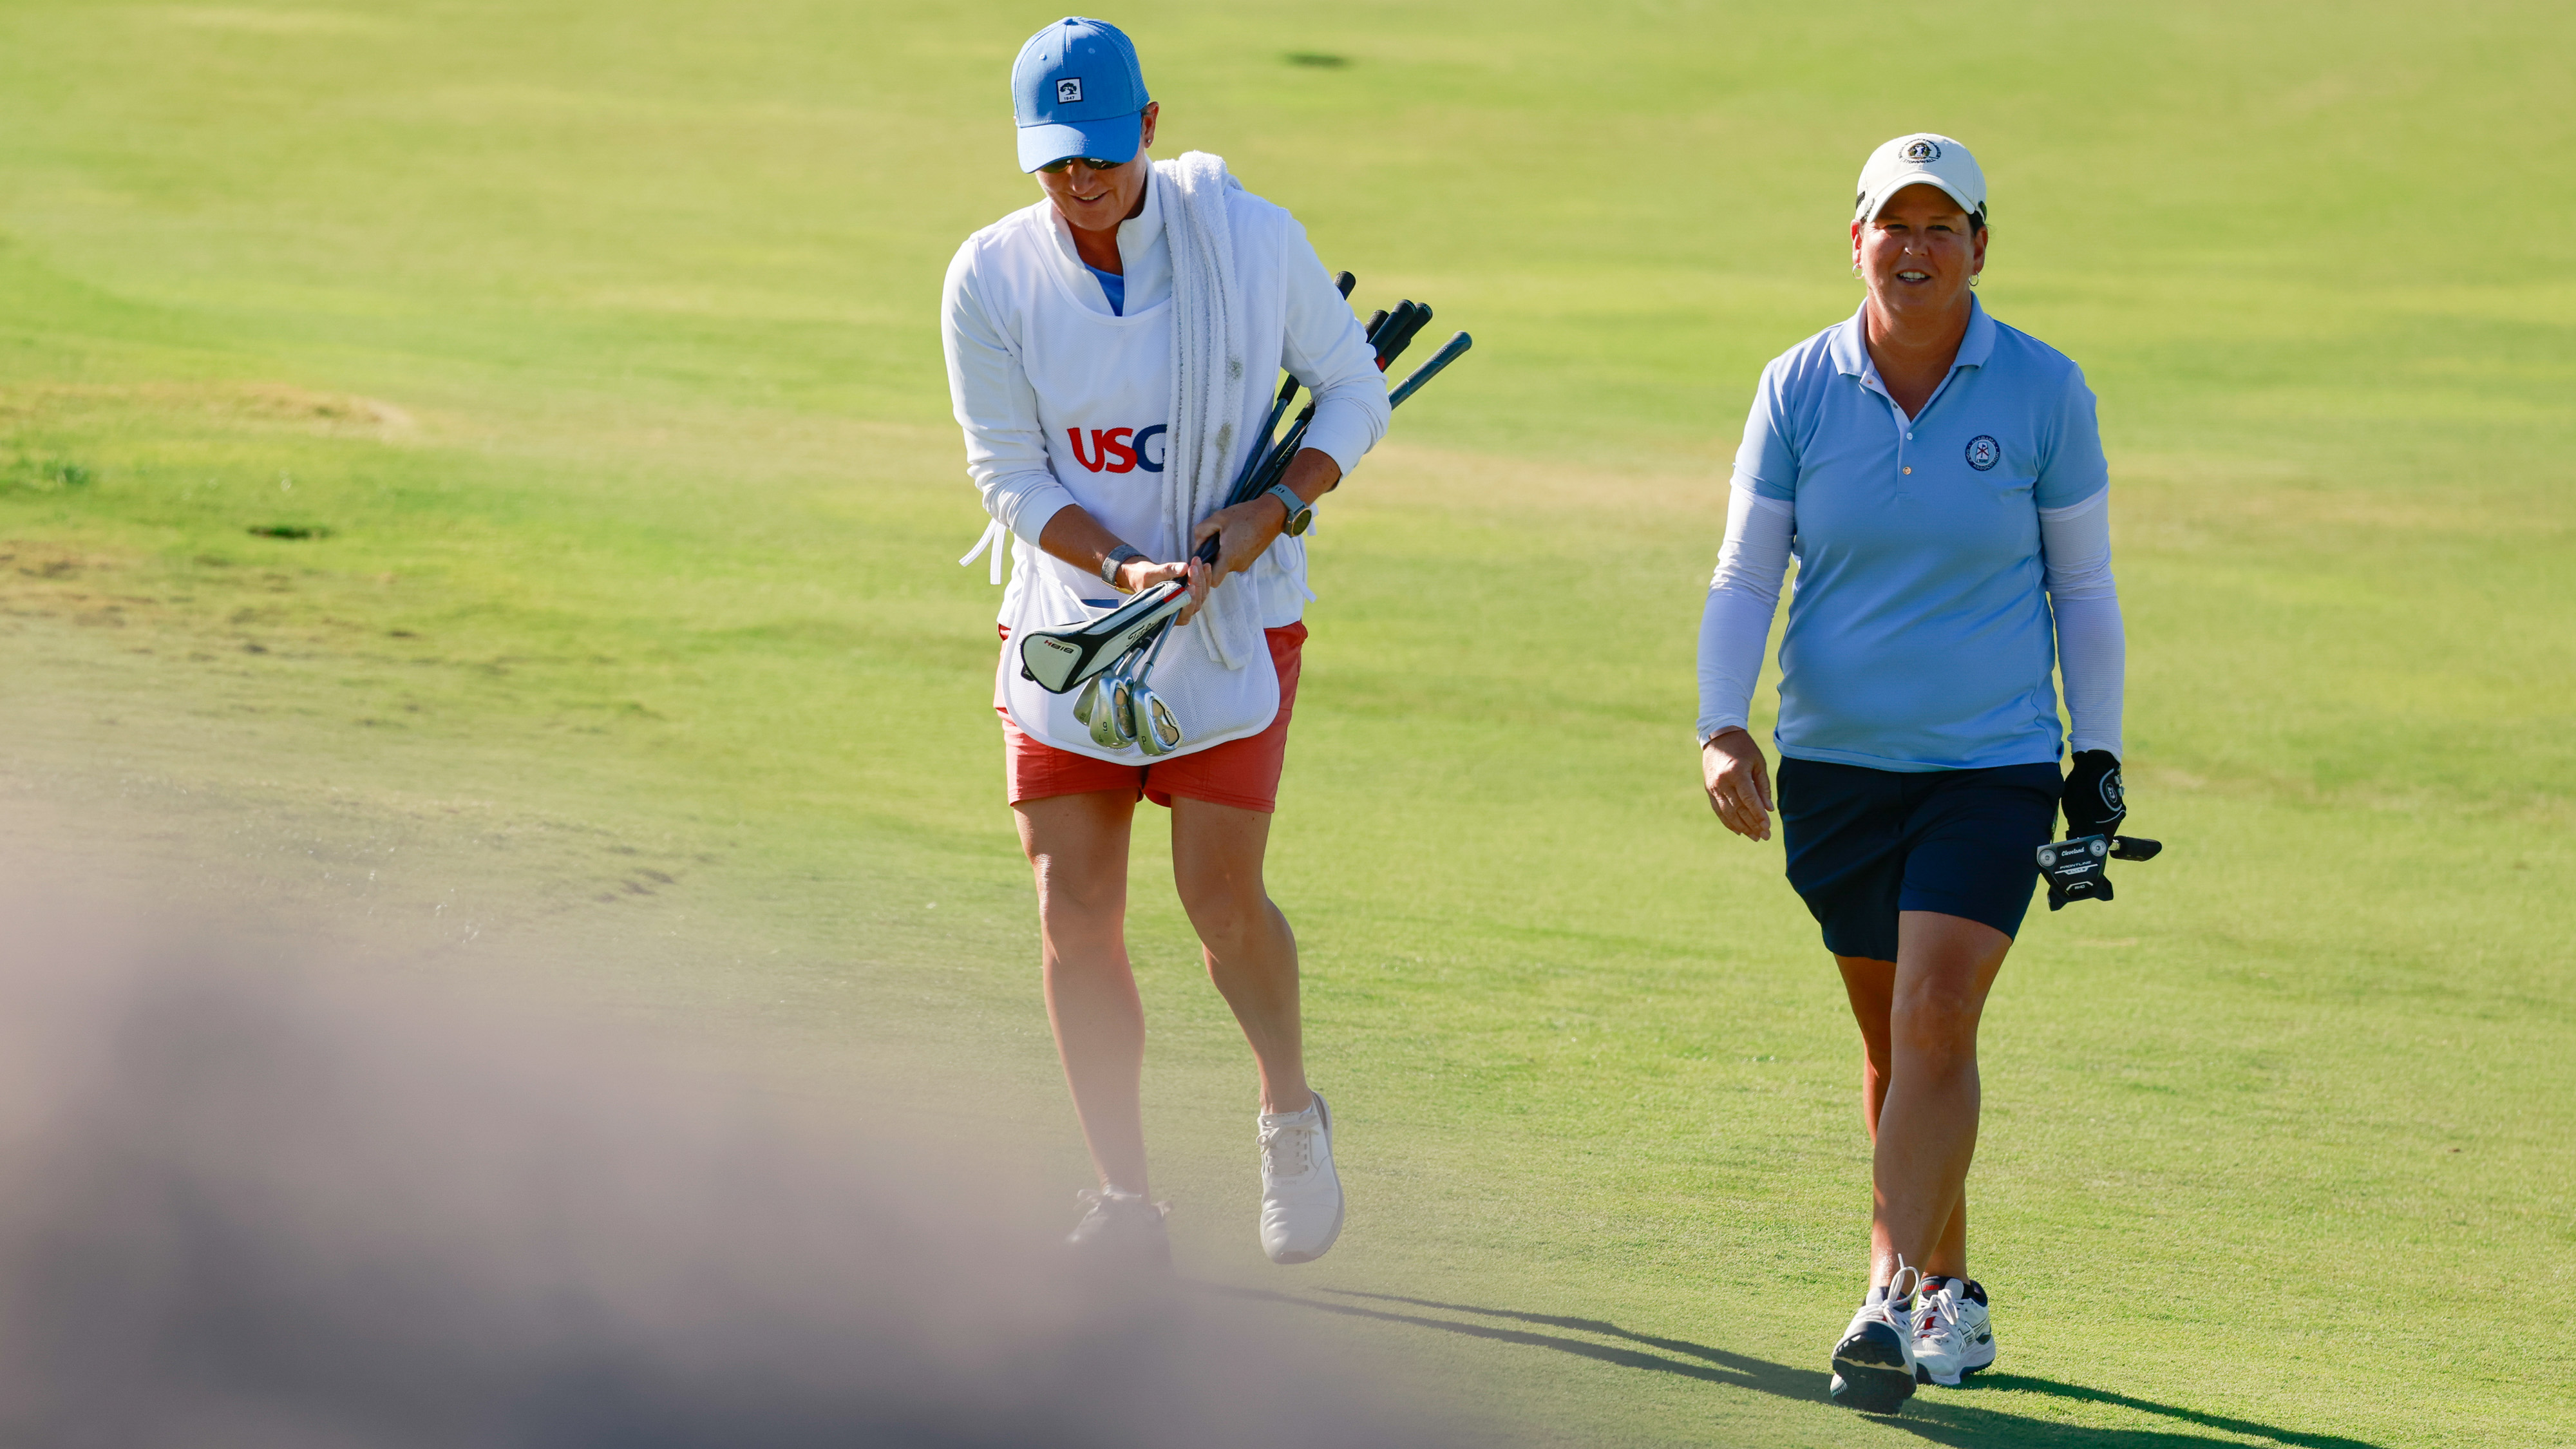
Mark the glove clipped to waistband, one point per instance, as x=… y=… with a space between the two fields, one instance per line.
x=2092 y=799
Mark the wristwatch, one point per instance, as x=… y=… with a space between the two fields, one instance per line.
x=1301 y=514
x=1116 y=560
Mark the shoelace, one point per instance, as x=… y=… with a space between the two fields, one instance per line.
x=1940 y=1313
x=1275 y=1149
x=1911 y=1280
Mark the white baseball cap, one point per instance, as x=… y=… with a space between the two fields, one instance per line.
x=1922 y=159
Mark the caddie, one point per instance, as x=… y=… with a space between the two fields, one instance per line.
x=1110 y=354
x=1940 y=478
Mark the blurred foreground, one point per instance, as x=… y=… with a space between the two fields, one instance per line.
x=271 y=1203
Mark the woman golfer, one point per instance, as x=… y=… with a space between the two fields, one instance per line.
x=1110 y=353
x=1940 y=479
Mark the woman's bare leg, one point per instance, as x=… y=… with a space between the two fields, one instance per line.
x=1918 y=1017
x=1871 y=985
x=1217 y=852
x=1077 y=845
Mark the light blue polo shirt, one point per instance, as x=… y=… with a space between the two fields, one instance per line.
x=1919 y=633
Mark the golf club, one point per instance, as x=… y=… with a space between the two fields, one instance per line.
x=2073 y=867
x=1157 y=729
x=1061 y=659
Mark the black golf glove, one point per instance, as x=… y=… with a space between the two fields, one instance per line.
x=2092 y=801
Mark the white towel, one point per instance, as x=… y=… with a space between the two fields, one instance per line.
x=1208 y=373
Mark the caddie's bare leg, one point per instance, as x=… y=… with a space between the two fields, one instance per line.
x=1251 y=954
x=1077 y=845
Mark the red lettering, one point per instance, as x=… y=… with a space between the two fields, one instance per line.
x=1115 y=455
x=1091 y=463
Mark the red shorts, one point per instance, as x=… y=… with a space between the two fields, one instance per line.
x=1242 y=773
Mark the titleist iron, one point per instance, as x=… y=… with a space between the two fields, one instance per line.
x=1157 y=729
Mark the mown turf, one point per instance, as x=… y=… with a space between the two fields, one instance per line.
x=592 y=350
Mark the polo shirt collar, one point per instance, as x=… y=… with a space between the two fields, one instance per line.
x=1979 y=344
x=1850 y=342
x=1143 y=254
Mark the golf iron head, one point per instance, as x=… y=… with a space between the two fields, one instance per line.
x=1107 y=729
x=1164 y=725
x=1087 y=701
x=1158 y=730
x=1120 y=697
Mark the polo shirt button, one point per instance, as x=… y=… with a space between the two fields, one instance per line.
x=1909 y=437
x=1909 y=470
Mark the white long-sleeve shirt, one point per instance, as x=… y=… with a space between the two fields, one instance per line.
x=1064 y=400
x=2075 y=546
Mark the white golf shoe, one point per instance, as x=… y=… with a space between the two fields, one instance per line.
x=1301 y=1195
x=1122 y=1231
x=1874 y=1362
x=1952 y=1336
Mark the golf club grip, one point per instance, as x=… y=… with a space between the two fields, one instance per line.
x=1450 y=351
x=1397 y=323
x=1405 y=334
x=1343 y=282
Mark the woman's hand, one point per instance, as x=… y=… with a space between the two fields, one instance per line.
x=1136 y=575
x=1738 y=782
x=1243 y=532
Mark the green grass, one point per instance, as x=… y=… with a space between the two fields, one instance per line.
x=594 y=347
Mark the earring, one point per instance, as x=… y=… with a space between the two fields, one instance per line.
x=1972 y=281
x=1855 y=269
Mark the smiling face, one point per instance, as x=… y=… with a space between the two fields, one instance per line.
x=1097 y=200
x=1918 y=253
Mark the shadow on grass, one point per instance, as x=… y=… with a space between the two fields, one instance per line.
x=1942 y=1416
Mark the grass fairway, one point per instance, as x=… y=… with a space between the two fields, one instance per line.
x=590 y=349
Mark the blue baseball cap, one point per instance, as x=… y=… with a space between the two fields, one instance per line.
x=1076 y=90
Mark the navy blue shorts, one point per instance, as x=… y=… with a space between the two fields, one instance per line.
x=1865 y=844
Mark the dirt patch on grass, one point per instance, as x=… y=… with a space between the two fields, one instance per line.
x=257 y=403
x=44 y=578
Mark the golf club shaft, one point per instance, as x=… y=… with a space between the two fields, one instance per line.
x=1343 y=282
x=1276 y=466
x=1389 y=333
x=1450 y=351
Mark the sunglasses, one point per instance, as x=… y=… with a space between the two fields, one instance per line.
x=1056 y=168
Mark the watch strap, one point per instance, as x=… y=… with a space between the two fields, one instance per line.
x=1300 y=512
x=1116 y=560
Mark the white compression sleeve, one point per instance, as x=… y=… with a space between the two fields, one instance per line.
x=1742 y=596
x=2092 y=648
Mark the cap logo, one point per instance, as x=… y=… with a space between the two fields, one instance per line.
x=1068 y=90
x=1922 y=153
x=1984 y=452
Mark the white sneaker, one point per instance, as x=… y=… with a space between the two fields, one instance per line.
x=1874 y=1363
x=1301 y=1195
x=1952 y=1336
x=1121 y=1230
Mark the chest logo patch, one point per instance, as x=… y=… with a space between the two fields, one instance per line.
x=1984 y=452
x=1068 y=90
